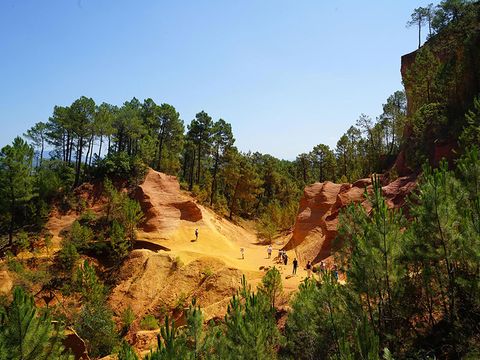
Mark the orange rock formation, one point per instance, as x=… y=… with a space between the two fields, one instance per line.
x=317 y=220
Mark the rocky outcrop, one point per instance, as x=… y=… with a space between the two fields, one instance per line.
x=317 y=220
x=163 y=204
x=153 y=283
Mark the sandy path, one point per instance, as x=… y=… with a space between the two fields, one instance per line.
x=220 y=239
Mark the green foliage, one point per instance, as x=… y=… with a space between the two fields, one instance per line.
x=21 y=241
x=121 y=165
x=68 y=256
x=471 y=132
x=118 y=242
x=88 y=217
x=14 y=265
x=126 y=352
x=80 y=235
x=251 y=331
x=272 y=286
x=94 y=323
x=127 y=317
x=16 y=184
x=170 y=345
x=149 y=322
x=122 y=209
x=25 y=334
x=320 y=320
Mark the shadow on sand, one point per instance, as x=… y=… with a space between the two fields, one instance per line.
x=144 y=244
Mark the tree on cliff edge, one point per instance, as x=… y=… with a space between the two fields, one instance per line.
x=418 y=18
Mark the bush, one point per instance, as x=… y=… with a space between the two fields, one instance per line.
x=118 y=243
x=48 y=238
x=14 y=265
x=96 y=326
x=127 y=318
x=149 y=322
x=272 y=286
x=121 y=165
x=88 y=217
x=67 y=256
x=177 y=263
x=80 y=235
x=21 y=241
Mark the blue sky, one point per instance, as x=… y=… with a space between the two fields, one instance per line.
x=286 y=74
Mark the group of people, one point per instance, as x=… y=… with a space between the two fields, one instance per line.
x=283 y=259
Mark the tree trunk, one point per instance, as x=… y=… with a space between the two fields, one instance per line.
x=12 y=218
x=232 y=202
x=100 y=147
x=160 y=148
x=79 y=161
x=214 y=180
x=67 y=147
x=192 y=171
x=419 y=33
x=41 y=152
x=199 y=163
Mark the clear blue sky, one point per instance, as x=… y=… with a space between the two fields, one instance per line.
x=286 y=74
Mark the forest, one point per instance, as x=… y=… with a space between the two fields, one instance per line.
x=413 y=275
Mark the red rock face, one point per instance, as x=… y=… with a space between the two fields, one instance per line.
x=163 y=203
x=317 y=220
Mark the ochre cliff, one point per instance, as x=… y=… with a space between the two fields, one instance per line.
x=317 y=220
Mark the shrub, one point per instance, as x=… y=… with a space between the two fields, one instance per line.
x=149 y=322
x=14 y=265
x=48 y=241
x=88 y=217
x=119 y=244
x=272 y=285
x=21 y=241
x=26 y=335
x=177 y=263
x=80 y=235
x=127 y=318
x=67 y=256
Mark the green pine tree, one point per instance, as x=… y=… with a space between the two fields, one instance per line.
x=27 y=335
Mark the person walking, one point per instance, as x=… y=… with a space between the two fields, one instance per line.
x=335 y=272
x=295 y=265
x=309 y=268
x=242 y=252
x=285 y=258
x=322 y=266
x=269 y=251
x=196 y=234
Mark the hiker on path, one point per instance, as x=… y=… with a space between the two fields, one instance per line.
x=242 y=252
x=285 y=258
x=280 y=256
x=322 y=266
x=269 y=251
x=335 y=272
x=295 y=265
x=309 y=268
x=196 y=234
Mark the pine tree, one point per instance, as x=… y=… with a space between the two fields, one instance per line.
x=170 y=345
x=26 y=335
x=272 y=286
x=16 y=182
x=126 y=352
x=251 y=331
